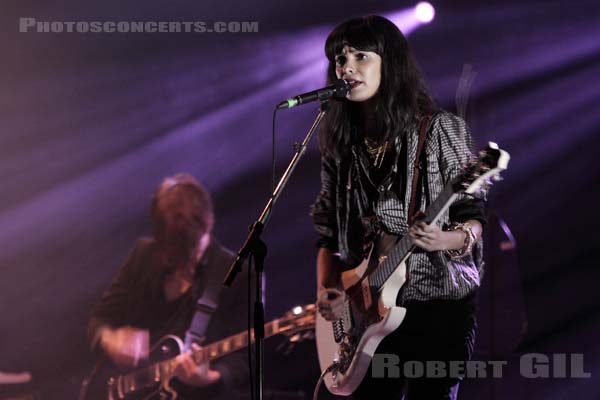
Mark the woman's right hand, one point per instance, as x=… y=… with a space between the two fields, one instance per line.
x=125 y=346
x=330 y=303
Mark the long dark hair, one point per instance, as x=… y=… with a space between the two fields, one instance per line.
x=401 y=98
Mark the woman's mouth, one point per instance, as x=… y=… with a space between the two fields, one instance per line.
x=354 y=84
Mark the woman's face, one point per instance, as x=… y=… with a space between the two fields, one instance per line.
x=362 y=69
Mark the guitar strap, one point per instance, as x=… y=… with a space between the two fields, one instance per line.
x=412 y=206
x=386 y=240
x=206 y=305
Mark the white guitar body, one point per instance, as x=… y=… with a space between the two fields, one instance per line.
x=345 y=382
x=346 y=346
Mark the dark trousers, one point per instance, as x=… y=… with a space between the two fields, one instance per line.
x=433 y=331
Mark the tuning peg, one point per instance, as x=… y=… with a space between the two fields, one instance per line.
x=497 y=178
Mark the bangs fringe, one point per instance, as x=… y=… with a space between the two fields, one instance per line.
x=358 y=33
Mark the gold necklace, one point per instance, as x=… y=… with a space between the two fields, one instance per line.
x=376 y=153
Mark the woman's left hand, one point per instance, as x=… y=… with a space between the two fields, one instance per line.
x=432 y=238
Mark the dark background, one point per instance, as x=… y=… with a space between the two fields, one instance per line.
x=90 y=123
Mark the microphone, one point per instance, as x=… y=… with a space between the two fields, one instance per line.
x=339 y=89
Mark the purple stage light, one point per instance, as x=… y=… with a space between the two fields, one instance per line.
x=409 y=19
x=424 y=12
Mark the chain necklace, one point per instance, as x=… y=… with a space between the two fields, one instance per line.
x=376 y=153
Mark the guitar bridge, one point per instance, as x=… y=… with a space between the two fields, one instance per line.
x=338 y=330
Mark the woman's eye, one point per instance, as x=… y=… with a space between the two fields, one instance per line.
x=341 y=60
x=361 y=56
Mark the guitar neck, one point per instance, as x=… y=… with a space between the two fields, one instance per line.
x=299 y=320
x=405 y=246
x=233 y=343
x=206 y=353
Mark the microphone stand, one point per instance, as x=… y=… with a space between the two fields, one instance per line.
x=254 y=245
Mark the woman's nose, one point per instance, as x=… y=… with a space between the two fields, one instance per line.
x=348 y=69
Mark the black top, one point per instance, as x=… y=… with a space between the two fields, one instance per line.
x=136 y=298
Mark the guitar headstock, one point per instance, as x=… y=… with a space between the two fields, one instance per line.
x=484 y=171
x=298 y=319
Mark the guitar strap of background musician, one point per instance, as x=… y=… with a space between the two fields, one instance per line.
x=206 y=305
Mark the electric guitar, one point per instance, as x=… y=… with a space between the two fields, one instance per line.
x=154 y=380
x=346 y=346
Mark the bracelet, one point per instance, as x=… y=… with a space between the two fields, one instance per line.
x=469 y=240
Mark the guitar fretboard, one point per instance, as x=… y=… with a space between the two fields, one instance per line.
x=405 y=246
x=154 y=374
x=236 y=342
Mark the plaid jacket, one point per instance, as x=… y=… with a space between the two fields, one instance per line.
x=348 y=197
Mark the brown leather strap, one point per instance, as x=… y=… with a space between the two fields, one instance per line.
x=415 y=182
